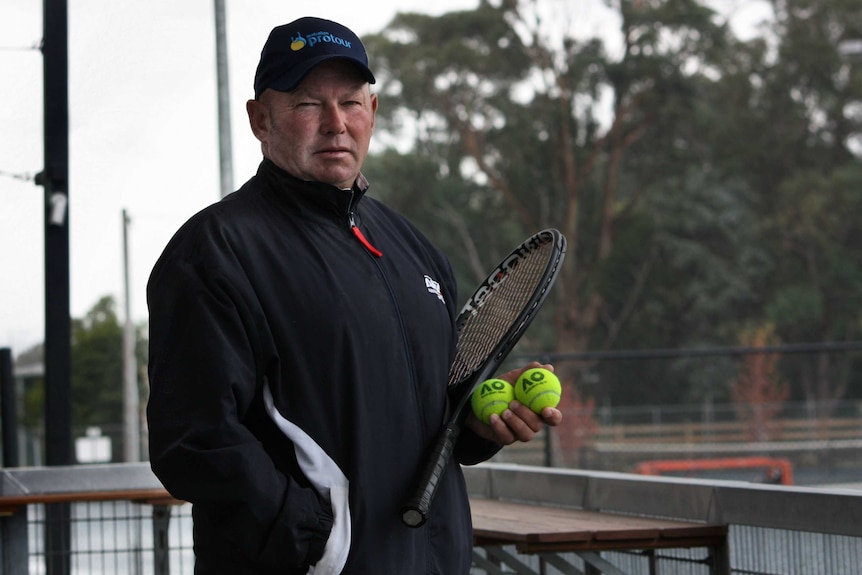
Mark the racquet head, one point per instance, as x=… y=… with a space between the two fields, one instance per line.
x=503 y=306
x=489 y=325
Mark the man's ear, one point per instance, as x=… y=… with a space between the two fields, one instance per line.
x=258 y=119
x=374 y=103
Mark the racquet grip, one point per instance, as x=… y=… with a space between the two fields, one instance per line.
x=415 y=511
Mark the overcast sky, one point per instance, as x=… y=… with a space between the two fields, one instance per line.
x=143 y=131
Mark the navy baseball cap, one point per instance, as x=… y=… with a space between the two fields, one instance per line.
x=292 y=50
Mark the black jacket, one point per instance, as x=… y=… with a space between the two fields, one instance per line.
x=297 y=379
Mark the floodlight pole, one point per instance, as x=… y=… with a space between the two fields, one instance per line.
x=58 y=324
x=131 y=410
x=223 y=87
x=55 y=179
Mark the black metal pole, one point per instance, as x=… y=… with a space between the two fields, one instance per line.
x=55 y=178
x=58 y=339
x=8 y=410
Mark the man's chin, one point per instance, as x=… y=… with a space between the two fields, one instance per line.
x=340 y=178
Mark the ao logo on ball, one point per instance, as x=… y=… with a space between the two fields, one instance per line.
x=492 y=396
x=538 y=388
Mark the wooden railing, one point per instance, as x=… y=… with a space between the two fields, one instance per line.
x=618 y=447
x=731 y=432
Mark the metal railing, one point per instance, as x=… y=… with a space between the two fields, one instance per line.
x=773 y=530
x=109 y=538
x=120 y=520
x=93 y=520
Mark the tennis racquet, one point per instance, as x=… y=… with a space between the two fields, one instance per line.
x=489 y=325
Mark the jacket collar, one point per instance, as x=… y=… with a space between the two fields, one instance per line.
x=304 y=194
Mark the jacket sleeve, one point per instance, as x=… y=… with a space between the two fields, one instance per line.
x=203 y=382
x=472 y=449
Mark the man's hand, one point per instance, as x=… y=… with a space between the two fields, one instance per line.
x=518 y=423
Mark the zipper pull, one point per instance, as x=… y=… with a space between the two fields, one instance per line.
x=362 y=239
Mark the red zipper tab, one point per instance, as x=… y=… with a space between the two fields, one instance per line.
x=364 y=241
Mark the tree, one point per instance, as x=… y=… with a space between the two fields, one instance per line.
x=97 y=366
x=582 y=427
x=758 y=391
x=792 y=108
x=682 y=168
x=96 y=371
x=518 y=121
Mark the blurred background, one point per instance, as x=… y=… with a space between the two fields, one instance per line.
x=704 y=160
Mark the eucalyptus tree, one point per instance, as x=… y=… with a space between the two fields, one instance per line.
x=522 y=125
x=793 y=133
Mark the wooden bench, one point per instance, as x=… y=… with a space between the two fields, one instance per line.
x=548 y=531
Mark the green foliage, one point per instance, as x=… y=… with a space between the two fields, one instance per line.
x=33 y=404
x=97 y=366
x=96 y=371
x=705 y=183
x=795 y=308
x=819 y=282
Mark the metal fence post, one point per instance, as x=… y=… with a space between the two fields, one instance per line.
x=161 y=543
x=13 y=541
x=8 y=410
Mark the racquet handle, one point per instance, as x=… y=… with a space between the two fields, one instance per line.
x=415 y=511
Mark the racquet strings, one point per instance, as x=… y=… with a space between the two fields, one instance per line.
x=482 y=331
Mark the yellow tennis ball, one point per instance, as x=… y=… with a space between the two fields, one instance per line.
x=538 y=388
x=491 y=396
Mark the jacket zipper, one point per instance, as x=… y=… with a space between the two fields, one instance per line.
x=357 y=233
x=403 y=328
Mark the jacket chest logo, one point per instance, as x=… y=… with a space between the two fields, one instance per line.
x=434 y=287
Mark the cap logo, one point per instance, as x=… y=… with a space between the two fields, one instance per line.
x=293 y=49
x=298 y=43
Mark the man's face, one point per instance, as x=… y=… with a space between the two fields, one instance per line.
x=321 y=130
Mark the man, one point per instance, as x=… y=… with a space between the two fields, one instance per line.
x=297 y=359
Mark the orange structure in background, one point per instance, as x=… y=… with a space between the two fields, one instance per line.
x=778 y=470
